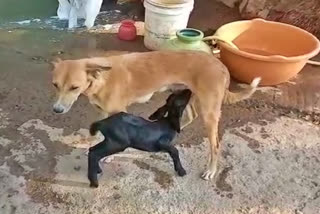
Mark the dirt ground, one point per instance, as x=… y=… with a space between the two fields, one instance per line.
x=270 y=144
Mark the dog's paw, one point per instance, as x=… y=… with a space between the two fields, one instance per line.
x=182 y=172
x=208 y=175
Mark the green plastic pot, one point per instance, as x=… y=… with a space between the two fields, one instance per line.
x=188 y=39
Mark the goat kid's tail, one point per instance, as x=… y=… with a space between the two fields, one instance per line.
x=94 y=128
x=233 y=97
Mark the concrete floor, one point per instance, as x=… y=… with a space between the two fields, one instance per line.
x=270 y=144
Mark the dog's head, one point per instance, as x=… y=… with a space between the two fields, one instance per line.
x=72 y=78
x=174 y=107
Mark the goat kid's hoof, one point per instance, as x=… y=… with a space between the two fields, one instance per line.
x=208 y=175
x=94 y=184
x=181 y=172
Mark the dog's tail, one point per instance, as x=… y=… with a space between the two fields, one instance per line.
x=233 y=97
x=94 y=128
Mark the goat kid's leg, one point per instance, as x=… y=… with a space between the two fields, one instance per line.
x=174 y=154
x=96 y=153
x=110 y=158
x=93 y=169
x=104 y=115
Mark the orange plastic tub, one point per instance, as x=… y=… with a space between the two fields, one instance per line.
x=273 y=51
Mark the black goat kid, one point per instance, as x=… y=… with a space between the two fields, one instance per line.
x=124 y=130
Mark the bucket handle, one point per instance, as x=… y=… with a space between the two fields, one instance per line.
x=311 y=62
x=220 y=39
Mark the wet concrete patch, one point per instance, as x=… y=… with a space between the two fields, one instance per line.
x=252 y=143
x=221 y=182
x=158 y=157
x=251 y=181
x=163 y=178
x=40 y=191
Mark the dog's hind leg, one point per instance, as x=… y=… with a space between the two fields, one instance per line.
x=190 y=117
x=191 y=113
x=211 y=111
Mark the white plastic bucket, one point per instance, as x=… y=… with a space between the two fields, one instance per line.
x=162 y=20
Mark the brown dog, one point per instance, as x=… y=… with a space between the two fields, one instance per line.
x=113 y=83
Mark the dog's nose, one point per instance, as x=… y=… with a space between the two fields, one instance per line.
x=58 y=109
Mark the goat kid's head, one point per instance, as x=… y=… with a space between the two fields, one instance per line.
x=175 y=105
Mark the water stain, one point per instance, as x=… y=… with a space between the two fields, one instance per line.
x=225 y=153
x=157 y=157
x=77 y=168
x=13 y=209
x=230 y=195
x=4 y=152
x=262 y=123
x=253 y=144
x=163 y=178
x=41 y=192
x=247 y=129
x=221 y=183
x=116 y=196
x=3 y=95
x=264 y=134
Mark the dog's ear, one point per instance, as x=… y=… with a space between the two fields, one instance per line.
x=95 y=70
x=55 y=62
x=175 y=123
x=160 y=113
x=96 y=65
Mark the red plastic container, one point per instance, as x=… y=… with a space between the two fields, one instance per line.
x=127 y=30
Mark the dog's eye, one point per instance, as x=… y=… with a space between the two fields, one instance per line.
x=55 y=85
x=73 y=88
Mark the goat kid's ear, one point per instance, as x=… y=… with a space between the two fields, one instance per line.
x=175 y=122
x=95 y=70
x=160 y=113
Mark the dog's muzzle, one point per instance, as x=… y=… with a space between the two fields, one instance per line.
x=58 y=108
